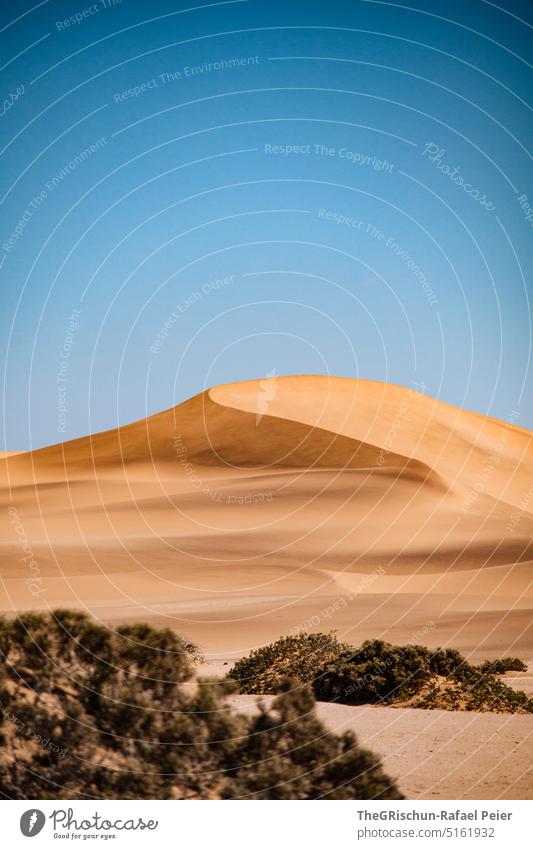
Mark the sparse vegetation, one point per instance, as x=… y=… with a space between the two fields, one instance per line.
x=88 y=712
x=295 y=657
x=380 y=673
x=376 y=672
x=475 y=690
x=502 y=665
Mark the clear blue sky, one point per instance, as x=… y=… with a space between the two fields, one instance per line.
x=200 y=195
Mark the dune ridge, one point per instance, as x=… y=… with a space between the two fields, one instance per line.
x=309 y=421
x=262 y=503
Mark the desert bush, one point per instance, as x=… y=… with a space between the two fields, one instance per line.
x=502 y=665
x=289 y=755
x=299 y=657
x=380 y=673
x=87 y=712
x=375 y=672
x=447 y=662
x=475 y=690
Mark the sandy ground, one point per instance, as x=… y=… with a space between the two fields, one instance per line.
x=269 y=507
x=434 y=754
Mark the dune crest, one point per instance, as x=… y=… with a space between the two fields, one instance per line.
x=466 y=448
x=313 y=421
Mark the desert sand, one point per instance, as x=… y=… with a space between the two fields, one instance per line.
x=435 y=754
x=268 y=507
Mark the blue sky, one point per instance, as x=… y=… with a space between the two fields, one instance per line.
x=200 y=195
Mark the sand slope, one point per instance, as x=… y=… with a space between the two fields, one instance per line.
x=262 y=507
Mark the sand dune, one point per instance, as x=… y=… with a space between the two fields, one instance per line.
x=261 y=507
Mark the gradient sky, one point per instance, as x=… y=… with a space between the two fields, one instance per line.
x=159 y=238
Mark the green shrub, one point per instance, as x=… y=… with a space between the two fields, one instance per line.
x=475 y=690
x=380 y=673
x=502 y=665
x=299 y=657
x=375 y=672
x=447 y=662
x=288 y=755
x=87 y=712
